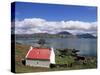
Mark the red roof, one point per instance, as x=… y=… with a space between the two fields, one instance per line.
x=38 y=53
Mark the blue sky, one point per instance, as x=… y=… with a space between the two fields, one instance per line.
x=53 y=18
x=52 y=12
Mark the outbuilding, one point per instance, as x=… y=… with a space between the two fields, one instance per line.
x=40 y=57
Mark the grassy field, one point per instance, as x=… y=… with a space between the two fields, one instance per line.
x=21 y=51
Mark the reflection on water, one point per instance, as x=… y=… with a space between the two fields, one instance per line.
x=86 y=46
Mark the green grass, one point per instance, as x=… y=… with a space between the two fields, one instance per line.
x=21 y=51
x=64 y=60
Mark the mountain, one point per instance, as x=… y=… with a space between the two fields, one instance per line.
x=87 y=35
x=64 y=33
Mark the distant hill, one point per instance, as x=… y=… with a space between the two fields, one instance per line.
x=87 y=35
x=65 y=33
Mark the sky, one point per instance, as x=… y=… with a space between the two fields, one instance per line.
x=54 y=18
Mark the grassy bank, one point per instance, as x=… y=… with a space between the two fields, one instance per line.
x=21 y=51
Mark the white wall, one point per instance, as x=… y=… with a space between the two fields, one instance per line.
x=52 y=56
x=38 y=63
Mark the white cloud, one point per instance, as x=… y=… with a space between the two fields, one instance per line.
x=38 y=25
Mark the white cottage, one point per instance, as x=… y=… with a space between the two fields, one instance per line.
x=40 y=57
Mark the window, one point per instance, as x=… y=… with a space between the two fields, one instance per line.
x=37 y=62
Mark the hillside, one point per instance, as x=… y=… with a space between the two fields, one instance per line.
x=21 y=51
x=63 y=34
x=87 y=35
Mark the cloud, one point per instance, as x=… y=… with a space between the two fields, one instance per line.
x=38 y=25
